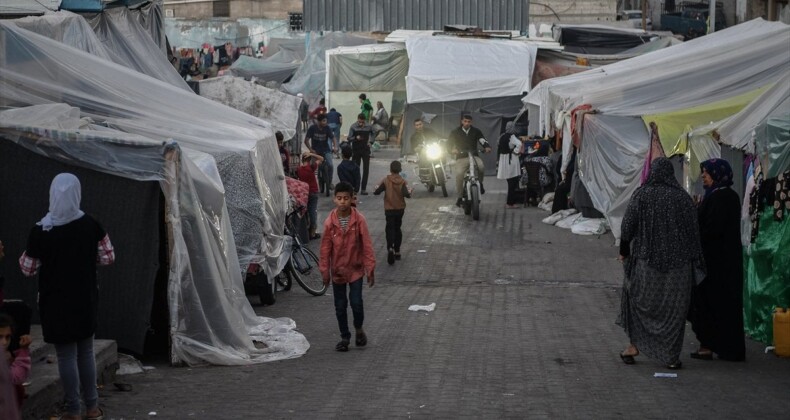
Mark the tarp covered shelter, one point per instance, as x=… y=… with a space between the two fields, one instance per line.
x=37 y=70
x=450 y=76
x=310 y=78
x=378 y=70
x=264 y=70
x=716 y=69
x=113 y=35
x=164 y=209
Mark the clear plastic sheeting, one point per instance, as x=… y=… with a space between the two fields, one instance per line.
x=123 y=34
x=152 y=18
x=112 y=35
x=714 y=67
x=37 y=70
x=280 y=109
x=773 y=145
x=211 y=320
x=310 y=78
x=610 y=163
x=445 y=69
x=263 y=70
x=366 y=68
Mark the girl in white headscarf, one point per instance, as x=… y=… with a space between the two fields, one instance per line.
x=64 y=248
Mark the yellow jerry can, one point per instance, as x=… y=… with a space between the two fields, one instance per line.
x=782 y=332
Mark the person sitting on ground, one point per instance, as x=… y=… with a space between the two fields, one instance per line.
x=306 y=174
x=395 y=189
x=19 y=362
x=380 y=120
x=462 y=140
x=346 y=257
x=348 y=171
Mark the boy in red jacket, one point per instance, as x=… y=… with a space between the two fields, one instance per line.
x=346 y=257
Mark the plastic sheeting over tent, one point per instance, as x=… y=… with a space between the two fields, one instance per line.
x=443 y=69
x=310 y=79
x=211 y=320
x=280 y=109
x=736 y=61
x=37 y=70
x=263 y=70
x=113 y=35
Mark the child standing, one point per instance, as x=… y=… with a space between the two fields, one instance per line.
x=348 y=171
x=395 y=190
x=346 y=257
x=306 y=174
x=19 y=362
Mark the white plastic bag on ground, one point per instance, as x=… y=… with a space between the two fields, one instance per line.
x=568 y=222
x=585 y=226
x=556 y=217
x=427 y=308
x=548 y=198
x=545 y=206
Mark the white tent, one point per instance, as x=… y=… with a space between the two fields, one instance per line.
x=733 y=63
x=444 y=69
x=378 y=70
x=178 y=237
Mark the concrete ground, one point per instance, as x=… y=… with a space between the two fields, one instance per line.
x=523 y=328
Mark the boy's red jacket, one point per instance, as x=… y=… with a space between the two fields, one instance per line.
x=349 y=255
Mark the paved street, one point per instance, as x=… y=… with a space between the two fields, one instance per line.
x=523 y=328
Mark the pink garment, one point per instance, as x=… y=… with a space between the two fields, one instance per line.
x=656 y=151
x=20 y=367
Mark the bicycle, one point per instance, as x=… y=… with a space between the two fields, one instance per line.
x=302 y=265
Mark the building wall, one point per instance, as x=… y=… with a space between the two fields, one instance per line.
x=263 y=9
x=573 y=11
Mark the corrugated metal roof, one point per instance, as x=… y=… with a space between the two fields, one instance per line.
x=391 y=15
x=28 y=7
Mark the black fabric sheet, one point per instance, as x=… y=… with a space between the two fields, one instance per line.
x=129 y=212
x=600 y=41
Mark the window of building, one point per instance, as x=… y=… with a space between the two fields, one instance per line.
x=295 y=21
x=222 y=8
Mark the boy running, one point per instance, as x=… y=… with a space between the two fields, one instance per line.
x=394 y=188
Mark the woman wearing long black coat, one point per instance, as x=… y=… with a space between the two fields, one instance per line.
x=716 y=312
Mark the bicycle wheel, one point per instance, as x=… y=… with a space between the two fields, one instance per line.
x=304 y=268
x=475 y=202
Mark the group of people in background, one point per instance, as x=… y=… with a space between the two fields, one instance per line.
x=208 y=60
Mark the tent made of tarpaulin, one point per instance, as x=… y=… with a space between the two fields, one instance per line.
x=264 y=70
x=289 y=47
x=280 y=109
x=551 y=63
x=378 y=70
x=714 y=67
x=113 y=35
x=164 y=209
x=445 y=69
x=599 y=39
x=449 y=77
x=310 y=78
x=707 y=70
x=37 y=70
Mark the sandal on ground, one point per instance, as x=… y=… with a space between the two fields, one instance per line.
x=100 y=416
x=628 y=358
x=675 y=365
x=702 y=355
x=316 y=236
x=362 y=339
x=342 y=345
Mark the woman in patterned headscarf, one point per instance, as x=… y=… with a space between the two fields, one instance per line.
x=660 y=247
x=716 y=312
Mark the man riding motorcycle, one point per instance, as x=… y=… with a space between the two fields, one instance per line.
x=462 y=140
x=421 y=137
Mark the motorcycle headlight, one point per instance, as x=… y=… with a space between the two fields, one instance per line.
x=433 y=151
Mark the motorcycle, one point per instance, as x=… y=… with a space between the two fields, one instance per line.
x=431 y=168
x=472 y=186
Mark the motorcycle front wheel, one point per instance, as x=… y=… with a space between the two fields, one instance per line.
x=475 y=202
x=442 y=181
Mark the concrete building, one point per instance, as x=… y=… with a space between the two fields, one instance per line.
x=256 y=9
